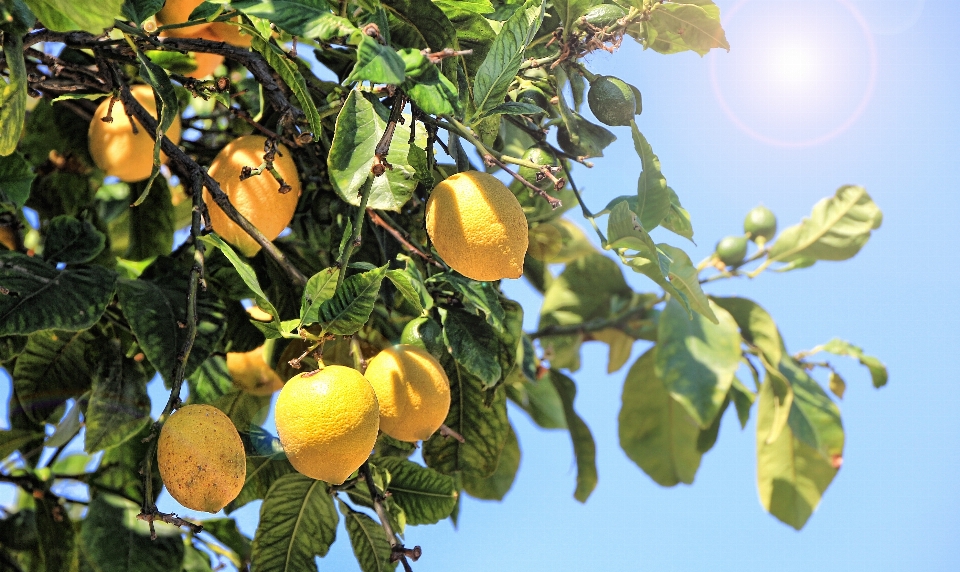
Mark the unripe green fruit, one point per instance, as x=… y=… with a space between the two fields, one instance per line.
x=612 y=101
x=732 y=250
x=540 y=157
x=760 y=223
x=534 y=96
x=604 y=15
x=563 y=140
x=424 y=333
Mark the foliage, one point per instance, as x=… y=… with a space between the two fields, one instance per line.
x=94 y=301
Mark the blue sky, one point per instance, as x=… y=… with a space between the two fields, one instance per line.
x=797 y=71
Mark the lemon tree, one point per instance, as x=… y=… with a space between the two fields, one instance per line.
x=366 y=173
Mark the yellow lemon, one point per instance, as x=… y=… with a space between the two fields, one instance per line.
x=176 y=12
x=327 y=421
x=413 y=392
x=258 y=198
x=251 y=373
x=114 y=146
x=231 y=34
x=201 y=458
x=477 y=226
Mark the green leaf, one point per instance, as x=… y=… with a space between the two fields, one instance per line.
x=708 y=436
x=476 y=296
x=454 y=7
x=836 y=230
x=119 y=468
x=656 y=432
x=404 y=284
x=420 y=24
x=139 y=10
x=72 y=241
x=303 y=18
x=119 y=405
x=226 y=532
x=155 y=309
x=836 y=346
x=685 y=25
x=152 y=223
x=539 y=398
x=297 y=522
x=16 y=174
x=756 y=326
x=677 y=219
x=40 y=297
x=584 y=449
x=653 y=196
x=570 y=10
x=56 y=536
x=743 y=399
x=377 y=63
x=837 y=386
x=320 y=288
x=696 y=359
x=685 y=278
x=473 y=33
x=195 y=560
x=69 y=425
x=54 y=367
x=474 y=345
x=92 y=16
x=516 y=108
x=13 y=94
x=369 y=541
x=426 y=496
x=496 y=486
x=246 y=273
x=359 y=128
x=350 y=307
x=503 y=61
x=791 y=475
x=244 y=410
x=433 y=93
x=113 y=538
x=288 y=71
x=477 y=415
x=12 y=439
x=814 y=418
x=262 y=472
x=166 y=99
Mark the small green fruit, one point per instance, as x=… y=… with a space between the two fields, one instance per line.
x=604 y=15
x=424 y=333
x=612 y=101
x=565 y=143
x=540 y=157
x=760 y=224
x=732 y=250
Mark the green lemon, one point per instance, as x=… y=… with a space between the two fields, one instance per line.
x=604 y=15
x=424 y=333
x=760 y=223
x=612 y=100
x=732 y=250
x=540 y=157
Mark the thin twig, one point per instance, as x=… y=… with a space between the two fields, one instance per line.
x=395 y=233
x=397 y=551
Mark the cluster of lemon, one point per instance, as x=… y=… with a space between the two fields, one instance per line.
x=327 y=420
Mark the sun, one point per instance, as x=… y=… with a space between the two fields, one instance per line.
x=793 y=66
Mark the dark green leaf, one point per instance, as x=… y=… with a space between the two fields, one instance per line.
x=119 y=469
x=474 y=345
x=303 y=18
x=476 y=296
x=479 y=416
x=72 y=241
x=743 y=399
x=113 y=538
x=262 y=472
x=69 y=425
x=41 y=297
x=245 y=410
x=878 y=371
x=708 y=436
x=584 y=449
x=433 y=93
x=495 y=75
x=195 y=560
x=404 y=284
x=139 y=10
x=54 y=367
x=426 y=496
x=570 y=10
x=516 y=108
x=166 y=98
x=320 y=288
x=152 y=223
x=653 y=197
x=756 y=326
x=791 y=475
x=496 y=486
x=656 y=432
x=288 y=71
x=420 y=24
x=16 y=174
x=454 y=7
x=13 y=94
x=377 y=63
x=155 y=309
x=539 y=398
x=246 y=273
x=369 y=541
x=696 y=359
x=350 y=307
x=68 y=15
x=12 y=439
x=56 y=537
x=226 y=532
x=297 y=522
x=836 y=230
x=119 y=405
x=210 y=381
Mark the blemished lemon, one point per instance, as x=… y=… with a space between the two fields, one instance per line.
x=251 y=373
x=413 y=392
x=177 y=12
x=327 y=421
x=201 y=458
x=477 y=226
x=114 y=146
x=258 y=198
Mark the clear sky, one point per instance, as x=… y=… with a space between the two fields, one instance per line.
x=813 y=94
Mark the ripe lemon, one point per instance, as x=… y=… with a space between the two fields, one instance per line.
x=258 y=198
x=251 y=373
x=201 y=458
x=231 y=34
x=477 y=226
x=176 y=12
x=413 y=392
x=114 y=146
x=327 y=421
